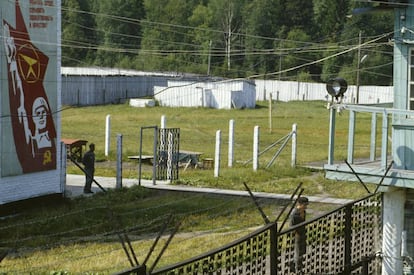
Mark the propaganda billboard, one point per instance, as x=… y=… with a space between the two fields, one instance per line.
x=28 y=86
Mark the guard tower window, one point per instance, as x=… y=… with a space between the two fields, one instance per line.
x=411 y=82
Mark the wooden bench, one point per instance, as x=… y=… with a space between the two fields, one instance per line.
x=144 y=158
x=189 y=157
x=184 y=156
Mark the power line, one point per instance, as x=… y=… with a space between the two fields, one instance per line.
x=322 y=59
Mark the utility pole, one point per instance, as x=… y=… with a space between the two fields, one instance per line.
x=358 y=66
x=229 y=44
x=209 y=58
x=229 y=21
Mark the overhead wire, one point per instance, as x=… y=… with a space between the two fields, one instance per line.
x=236 y=53
x=99 y=237
x=215 y=52
x=323 y=59
x=222 y=51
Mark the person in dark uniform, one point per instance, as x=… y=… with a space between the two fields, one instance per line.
x=89 y=162
x=298 y=216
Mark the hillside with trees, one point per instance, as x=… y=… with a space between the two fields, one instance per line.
x=266 y=39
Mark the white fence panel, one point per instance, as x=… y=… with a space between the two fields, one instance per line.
x=93 y=90
x=219 y=95
x=291 y=90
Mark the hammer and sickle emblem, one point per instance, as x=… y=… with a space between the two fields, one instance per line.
x=47 y=157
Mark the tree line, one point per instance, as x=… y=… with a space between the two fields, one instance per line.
x=267 y=39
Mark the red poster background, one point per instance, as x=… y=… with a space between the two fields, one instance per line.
x=35 y=146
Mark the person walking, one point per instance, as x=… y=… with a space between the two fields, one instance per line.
x=89 y=161
x=298 y=216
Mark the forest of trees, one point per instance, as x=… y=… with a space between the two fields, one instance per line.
x=267 y=39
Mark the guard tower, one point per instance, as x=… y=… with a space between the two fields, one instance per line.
x=393 y=168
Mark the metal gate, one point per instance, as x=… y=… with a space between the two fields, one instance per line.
x=168 y=149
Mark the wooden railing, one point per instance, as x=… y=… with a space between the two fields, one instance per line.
x=343 y=241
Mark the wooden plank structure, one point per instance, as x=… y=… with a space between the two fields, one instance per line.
x=393 y=169
x=190 y=157
x=144 y=158
x=372 y=168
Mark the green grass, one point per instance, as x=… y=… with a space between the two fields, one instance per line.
x=198 y=128
x=78 y=236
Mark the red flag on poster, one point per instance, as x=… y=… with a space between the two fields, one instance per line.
x=32 y=121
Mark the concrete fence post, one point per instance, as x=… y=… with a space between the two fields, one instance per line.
x=217 y=154
x=231 y=143
x=63 y=157
x=294 y=144
x=119 y=161
x=163 y=122
x=256 y=148
x=107 y=134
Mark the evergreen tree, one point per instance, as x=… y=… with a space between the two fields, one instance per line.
x=261 y=17
x=166 y=36
x=233 y=38
x=376 y=68
x=299 y=49
x=78 y=33
x=330 y=18
x=228 y=20
x=119 y=24
x=297 y=14
x=202 y=36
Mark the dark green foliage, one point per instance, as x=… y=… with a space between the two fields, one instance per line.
x=78 y=33
x=306 y=40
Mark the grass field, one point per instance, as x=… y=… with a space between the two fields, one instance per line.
x=198 y=128
x=199 y=125
x=79 y=236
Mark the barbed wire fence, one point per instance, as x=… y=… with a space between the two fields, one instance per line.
x=25 y=250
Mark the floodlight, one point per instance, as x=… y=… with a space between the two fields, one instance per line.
x=336 y=87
